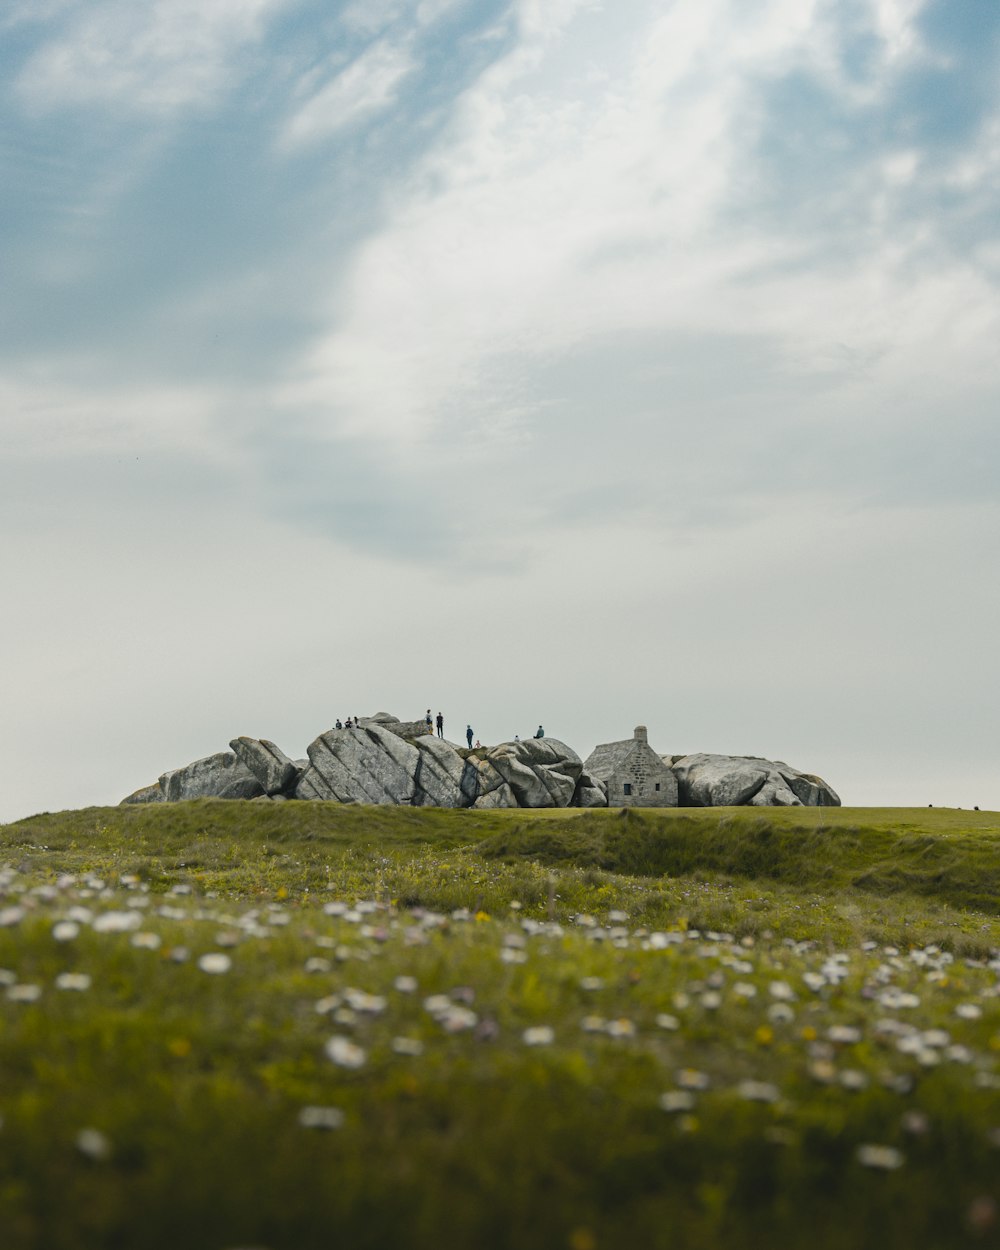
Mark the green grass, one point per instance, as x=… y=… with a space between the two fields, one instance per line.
x=670 y=927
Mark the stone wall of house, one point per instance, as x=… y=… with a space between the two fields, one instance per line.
x=644 y=770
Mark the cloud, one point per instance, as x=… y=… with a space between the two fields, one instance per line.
x=559 y=208
x=156 y=58
x=365 y=88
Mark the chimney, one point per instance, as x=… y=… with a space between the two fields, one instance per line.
x=640 y=734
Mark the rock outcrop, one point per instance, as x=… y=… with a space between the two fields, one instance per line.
x=540 y=772
x=738 y=780
x=275 y=772
x=386 y=761
x=220 y=776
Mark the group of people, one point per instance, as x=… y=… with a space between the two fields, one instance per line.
x=433 y=722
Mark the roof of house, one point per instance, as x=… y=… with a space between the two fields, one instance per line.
x=605 y=760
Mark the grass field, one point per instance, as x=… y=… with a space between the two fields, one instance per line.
x=300 y=1025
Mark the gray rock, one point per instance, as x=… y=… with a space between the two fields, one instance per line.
x=405 y=728
x=541 y=772
x=590 y=792
x=220 y=776
x=732 y=780
x=480 y=779
x=718 y=780
x=439 y=775
x=276 y=773
x=811 y=791
x=502 y=796
x=367 y=765
x=148 y=794
x=774 y=793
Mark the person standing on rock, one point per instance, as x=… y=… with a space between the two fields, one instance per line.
x=440 y=724
x=469 y=735
x=429 y=721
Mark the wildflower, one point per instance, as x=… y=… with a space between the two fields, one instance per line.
x=369 y=1004
x=92 y=1143
x=327 y=1118
x=343 y=1052
x=621 y=1028
x=915 y=1123
x=823 y=1071
x=406 y=985
x=763 y=1036
x=780 y=1013
x=853 y=1080
x=590 y=984
x=409 y=1046
x=711 y=1000
x=883 y=1158
x=691 y=1078
x=844 y=1034
x=593 y=1024
x=675 y=1100
x=458 y=1019
x=968 y=1011
x=215 y=963
x=542 y=1035
x=510 y=955
x=146 y=941
x=179 y=954
x=668 y=1022
x=73 y=981
x=24 y=993
x=316 y=964
x=781 y=991
x=743 y=989
x=117 y=921
x=10 y=916
x=757 y=1091
x=65 y=931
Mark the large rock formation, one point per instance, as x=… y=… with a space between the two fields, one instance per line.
x=220 y=776
x=737 y=780
x=275 y=772
x=366 y=765
x=386 y=761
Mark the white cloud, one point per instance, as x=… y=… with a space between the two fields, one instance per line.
x=562 y=207
x=365 y=88
x=156 y=57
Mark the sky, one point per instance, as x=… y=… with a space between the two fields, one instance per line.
x=538 y=360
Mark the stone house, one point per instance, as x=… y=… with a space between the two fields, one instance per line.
x=633 y=773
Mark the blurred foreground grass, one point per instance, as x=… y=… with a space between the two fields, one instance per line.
x=297 y=1025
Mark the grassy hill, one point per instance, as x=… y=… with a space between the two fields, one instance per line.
x=301 y=1024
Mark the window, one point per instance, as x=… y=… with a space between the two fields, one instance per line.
x=657 y=785
x=627 y=788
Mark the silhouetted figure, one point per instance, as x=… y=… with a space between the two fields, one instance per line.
x=469 y=735
x=440 y=724
x=540 y=733
x=339 y=725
